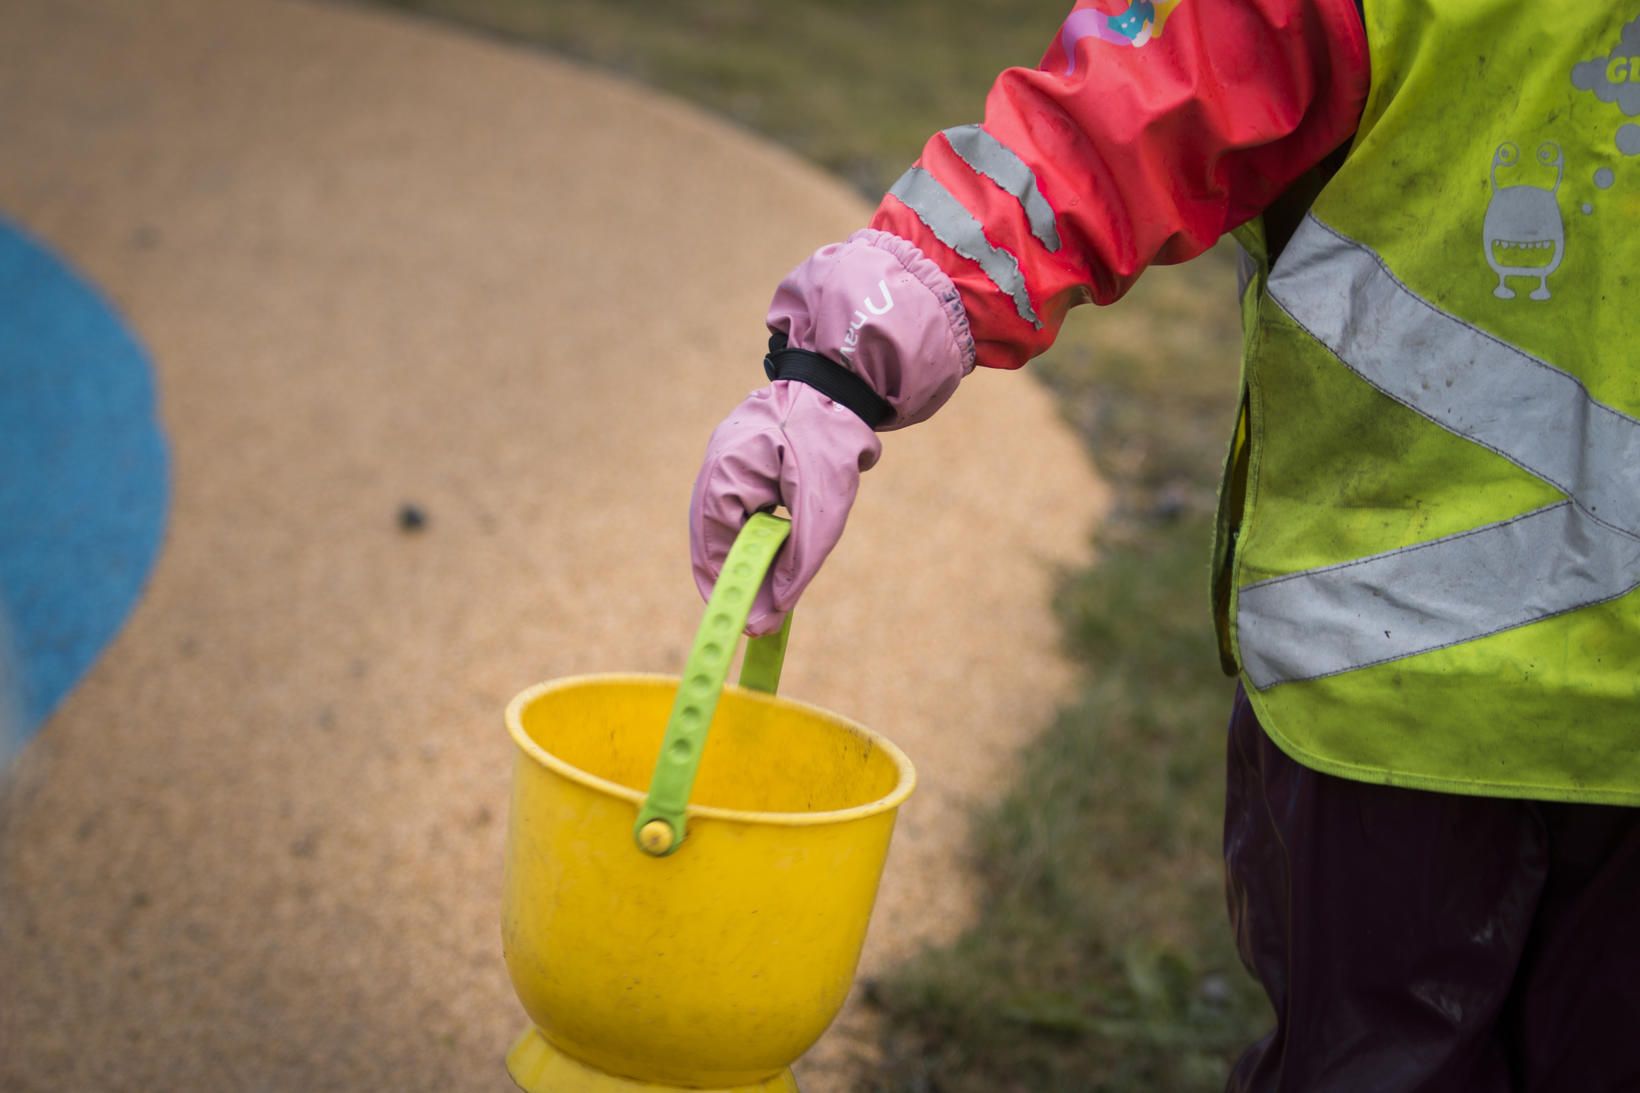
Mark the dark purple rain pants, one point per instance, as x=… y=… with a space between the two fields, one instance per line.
x=1413 y=941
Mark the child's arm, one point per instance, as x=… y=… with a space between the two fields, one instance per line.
x=1142 y=138
x=1114 y=155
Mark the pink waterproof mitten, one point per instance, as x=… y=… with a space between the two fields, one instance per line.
x=877 y=307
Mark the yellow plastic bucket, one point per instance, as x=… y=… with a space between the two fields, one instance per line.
x=712 y=956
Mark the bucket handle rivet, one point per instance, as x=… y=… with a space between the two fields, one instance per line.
x=655 y=837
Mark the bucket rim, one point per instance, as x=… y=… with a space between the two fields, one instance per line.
x=893 y=799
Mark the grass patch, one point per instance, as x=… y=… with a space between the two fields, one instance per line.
x=1102 y=960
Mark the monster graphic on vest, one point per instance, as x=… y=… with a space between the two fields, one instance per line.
x=1524 y=234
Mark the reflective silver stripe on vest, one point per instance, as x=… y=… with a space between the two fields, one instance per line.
x=1468 y=382
x=1445 y=592
x=988 y=156
x=1431 y=595
x=954 y=226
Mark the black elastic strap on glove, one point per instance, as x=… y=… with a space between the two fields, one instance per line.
x=828 y=377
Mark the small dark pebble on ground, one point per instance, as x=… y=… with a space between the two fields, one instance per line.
x=411 y=517
x=1172 y=504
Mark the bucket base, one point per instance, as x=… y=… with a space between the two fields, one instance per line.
x=535 y=1066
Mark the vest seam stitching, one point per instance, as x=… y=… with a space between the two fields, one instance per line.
x=1255 y=467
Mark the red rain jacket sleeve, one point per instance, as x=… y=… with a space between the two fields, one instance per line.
x=1149 y=130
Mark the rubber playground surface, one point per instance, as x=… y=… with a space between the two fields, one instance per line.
x=270 y=271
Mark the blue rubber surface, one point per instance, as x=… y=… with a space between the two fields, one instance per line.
x=84 y=477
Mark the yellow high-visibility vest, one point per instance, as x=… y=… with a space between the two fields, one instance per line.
x=1430 y=540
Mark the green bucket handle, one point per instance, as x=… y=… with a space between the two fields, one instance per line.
x=661 y=829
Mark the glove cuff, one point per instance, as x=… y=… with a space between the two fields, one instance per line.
x=877 y=306
x=933 y=278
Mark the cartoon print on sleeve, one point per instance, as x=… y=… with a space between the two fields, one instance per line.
x=1135 y=26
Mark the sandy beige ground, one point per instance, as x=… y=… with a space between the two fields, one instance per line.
x=260 y=847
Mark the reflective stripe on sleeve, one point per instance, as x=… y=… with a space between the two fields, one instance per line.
x=988 y=156
x=956 y=227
